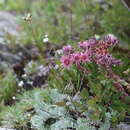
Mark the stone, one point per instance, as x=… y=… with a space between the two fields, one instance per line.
x=123 y=126
x=8 y=24
x=9 y=57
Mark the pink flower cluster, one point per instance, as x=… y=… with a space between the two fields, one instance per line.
x=71 y=57
x=91 y=50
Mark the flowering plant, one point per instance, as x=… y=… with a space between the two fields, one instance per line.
x=94 y=51
x=87 y=73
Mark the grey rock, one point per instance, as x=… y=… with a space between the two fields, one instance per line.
x=16 y=54
x=9 y=57
x=43 y=71
x=8 y=24
x=122 y=126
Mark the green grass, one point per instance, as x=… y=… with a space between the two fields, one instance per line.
x=53 y=17
x=8 y=88
x=17 y=116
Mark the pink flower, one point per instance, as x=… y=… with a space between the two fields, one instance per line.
x=84 y=57
x=107 y=60
x=89 y=44
x=66 y=61
x=83 y=44
x=76 y=57
x=111 y=40
x=67 y=49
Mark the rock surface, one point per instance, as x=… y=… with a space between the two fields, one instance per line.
x=123 y=126
x=17 y=54
x=8 y=24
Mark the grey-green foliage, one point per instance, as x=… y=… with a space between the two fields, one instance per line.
x=86 y=124
x=47 y=113
x=48 y=109
x=54 y=117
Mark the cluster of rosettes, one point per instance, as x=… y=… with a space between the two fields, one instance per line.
x=91 y=50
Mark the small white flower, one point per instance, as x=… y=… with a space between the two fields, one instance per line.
x=30 y=82
x=24 y=75
x=46 y=36
x=68 y=103
x=30 y=64
x=21 y=83
x=13 y=97
x=59 y=52
x=29 y=115
x=40 y=67
x=97 y=36
x=45 y=40
x=56 y=67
